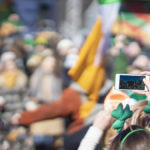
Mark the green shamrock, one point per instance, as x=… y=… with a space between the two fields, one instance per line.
x=121 y=115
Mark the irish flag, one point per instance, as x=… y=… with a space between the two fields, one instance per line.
x=89 y=72
x=134 y=21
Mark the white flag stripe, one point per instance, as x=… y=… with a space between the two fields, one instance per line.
x=108 y=14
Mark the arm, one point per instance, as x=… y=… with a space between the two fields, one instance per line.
x=69 y=103
x=95 y=132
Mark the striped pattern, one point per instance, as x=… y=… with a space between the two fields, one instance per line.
x=133 y=22
x=108 y=1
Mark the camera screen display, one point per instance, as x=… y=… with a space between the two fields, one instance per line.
x=132 y=82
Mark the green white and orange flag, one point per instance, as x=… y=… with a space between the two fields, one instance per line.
x=134 y=23
x=89 y=72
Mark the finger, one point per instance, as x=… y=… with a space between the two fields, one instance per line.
x=145 y=73
x=147 y=83
x=139 y=92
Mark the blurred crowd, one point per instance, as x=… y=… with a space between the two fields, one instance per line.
x=33 y=72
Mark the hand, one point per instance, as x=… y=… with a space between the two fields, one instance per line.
x=15 y=119
x=2 y=101
x=102 y=120
x=147 y=83
x=1 y=105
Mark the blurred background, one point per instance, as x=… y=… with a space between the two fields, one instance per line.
x=40 y=41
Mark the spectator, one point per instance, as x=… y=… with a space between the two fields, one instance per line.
x=13 y=84
x=67 y=106
x=68 y=53
x=95 y=132
x=134 y=137
x=101 y=130
x=48 y=77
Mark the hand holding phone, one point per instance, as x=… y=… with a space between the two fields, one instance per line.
x=131 y=82
x=147 y=83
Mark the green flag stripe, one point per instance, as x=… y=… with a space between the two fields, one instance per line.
x=130 y=17
x=108 y=1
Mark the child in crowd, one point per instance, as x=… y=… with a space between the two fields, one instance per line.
x=103 y=121
x=133 y=138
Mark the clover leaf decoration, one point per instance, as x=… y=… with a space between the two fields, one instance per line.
x=121 y=115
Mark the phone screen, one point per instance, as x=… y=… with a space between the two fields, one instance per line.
x=131 y=82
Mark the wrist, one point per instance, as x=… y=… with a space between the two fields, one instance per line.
x=98 y=126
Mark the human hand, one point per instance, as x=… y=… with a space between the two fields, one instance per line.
x=1 y=105
x=15 y=119
x=102 y=120
x=147 y=83
x=2 y=101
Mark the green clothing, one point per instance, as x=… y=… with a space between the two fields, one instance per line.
x=120 y=64
x=108 y=1
x=137 y=96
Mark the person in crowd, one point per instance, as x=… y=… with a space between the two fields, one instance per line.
x=139 y=117
x=101 y=131
x=48 y=77
x=67 y=106
x=68 y=54
x=13 y=83
x=95 y=132
x=16 y=45
x=37 y=45
x=49 y=71
x=102 y=124
x=134 y=137
x=145 y=62
x=133 y=49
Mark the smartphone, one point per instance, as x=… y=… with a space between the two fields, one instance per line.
x=130 y=82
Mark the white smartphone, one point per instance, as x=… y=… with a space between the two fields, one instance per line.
x=130 y=82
